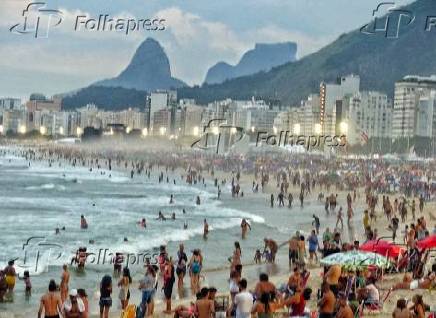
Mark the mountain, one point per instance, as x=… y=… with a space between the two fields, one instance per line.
x=148 y=70
x=379 y=60
x=109 y=98
x=262 y=58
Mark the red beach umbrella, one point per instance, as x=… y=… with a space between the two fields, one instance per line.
x=428 y=242
x=382 y=247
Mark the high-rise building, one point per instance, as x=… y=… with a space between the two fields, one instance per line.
x=160 y=99
x=426 y=116
x=330 y=94
x=366 y=113
x=10 y=104
x=14 y=122
x=413 y=94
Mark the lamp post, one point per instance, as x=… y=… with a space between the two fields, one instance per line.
x=297 y=129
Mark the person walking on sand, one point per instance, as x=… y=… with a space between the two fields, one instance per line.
x=168 y=282
x=182 y=260
x=105 y=296
x=124 y=284
x=339 y=219
x=195 y=265
x=50 y=303
x=65 y=279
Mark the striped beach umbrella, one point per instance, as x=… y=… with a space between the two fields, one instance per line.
x=356 y=259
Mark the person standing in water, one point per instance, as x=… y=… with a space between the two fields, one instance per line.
x=65 y=279
x=10 y=274
x=245 y=226
x=83 y=223
x=205 y=229
x=198 y=200
x=50 y=303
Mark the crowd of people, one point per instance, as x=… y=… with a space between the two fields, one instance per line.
x=404 y=190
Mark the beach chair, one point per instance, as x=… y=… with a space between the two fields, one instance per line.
x=222 y=303
x=377 y=307
x=129 y=312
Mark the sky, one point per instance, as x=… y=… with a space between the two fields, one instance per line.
x=198 y=34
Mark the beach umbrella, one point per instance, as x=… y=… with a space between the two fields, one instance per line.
x=428 y=242
x=382 y=247
x=356 y=259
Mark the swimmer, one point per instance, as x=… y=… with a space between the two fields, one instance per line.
x=161 y=216
x=143 y=223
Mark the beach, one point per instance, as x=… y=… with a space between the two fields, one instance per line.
x=113 y=202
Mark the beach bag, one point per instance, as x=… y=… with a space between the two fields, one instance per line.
x=129 y=312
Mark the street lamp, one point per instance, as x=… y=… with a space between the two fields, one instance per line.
x=215 y=130
x=145 y=132
x=61 y=130
x=79 y=131
x=343 y=127
x=1 y=129
x=275 y=129
x=196 y=131
x=128 y=130
x=22 y=129
x=42 y=130
x=297 y=129
x=318 y=129
x=162 y=130
x=233 y=130
x=253 y=129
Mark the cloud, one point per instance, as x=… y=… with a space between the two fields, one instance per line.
x=194 y=44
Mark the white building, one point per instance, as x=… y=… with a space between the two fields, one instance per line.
x=426 y=116
x=8 y=103
x=192 y=120
x=330 y=94
x=412 y=95
x=367 y=113
x=160 y=99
